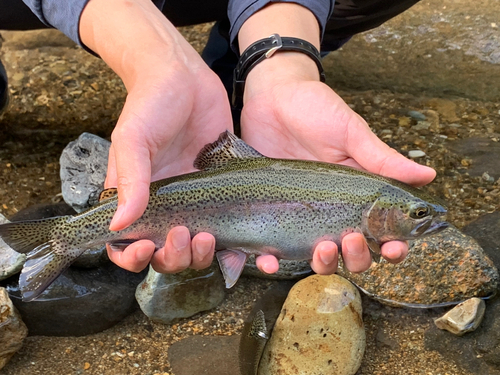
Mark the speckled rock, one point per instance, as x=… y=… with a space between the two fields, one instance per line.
x=289 y=270
x=463 y=318
x=11 y=262
x=79 y=302
x=83 y=169
x=447 y=268
x=165 y=298
x=319 y=330
x=12 y=329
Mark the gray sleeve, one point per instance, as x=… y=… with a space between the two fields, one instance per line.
x=240 y=10
x=63 y=15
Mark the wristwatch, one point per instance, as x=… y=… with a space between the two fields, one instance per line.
x=264 y=49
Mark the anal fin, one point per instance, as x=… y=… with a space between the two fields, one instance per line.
x=231 y=263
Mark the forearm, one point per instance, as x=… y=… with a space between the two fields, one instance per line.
x=137 y=35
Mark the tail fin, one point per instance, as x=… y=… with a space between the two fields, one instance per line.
x=47 y=255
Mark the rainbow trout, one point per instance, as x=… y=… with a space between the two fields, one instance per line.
x=250 y=203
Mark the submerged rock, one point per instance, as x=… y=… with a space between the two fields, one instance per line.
x=444 y=269
x=165 y=298
x=319 y=330
x=11 y=261
x=83 y=169
x=79 y=302
x=12 y=329
x=463 y=318
x=486 y=231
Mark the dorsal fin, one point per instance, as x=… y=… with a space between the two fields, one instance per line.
x=225 y=149
x=108 y=193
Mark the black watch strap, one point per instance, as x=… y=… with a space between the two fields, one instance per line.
x=264 y=49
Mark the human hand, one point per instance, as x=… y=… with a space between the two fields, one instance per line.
x=175 y=105
x=288 y=113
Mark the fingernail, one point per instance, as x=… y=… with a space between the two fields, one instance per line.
x=117 y=216
x=181 y=241
x=204 y=247
x=354 y=248
x=327 y=257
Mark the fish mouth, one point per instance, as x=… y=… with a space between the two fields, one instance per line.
x=429 y=227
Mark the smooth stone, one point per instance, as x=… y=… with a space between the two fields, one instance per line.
x=447 y=109
x=204 y=355
x=12 y=329
x=83 y=169
x=484 y=153
x=79 y=302
x=89 y=259
x=416 y=154
x=11 y=262
x=477 y=352
x=289 y=270
x=319 y=331
x=444 y=269
x=419 y=116
x=463 y=318
x=165 y=298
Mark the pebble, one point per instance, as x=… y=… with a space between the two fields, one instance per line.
x=419 y=116
x=319 y=331
x=164 y=298
x=416 y=154
x=444 y=269
x=463 y=318
x=12 y=329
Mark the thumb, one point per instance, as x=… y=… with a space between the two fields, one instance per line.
x=377 y=157
x=132 y=166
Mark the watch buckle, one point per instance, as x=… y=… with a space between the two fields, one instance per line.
x=276 y=39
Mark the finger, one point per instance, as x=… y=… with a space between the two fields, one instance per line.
x=135 y=257
x=355 y=253
x=325 y=258
x=133 y=175
x=176 y=255
x=111 y=173
x=203 y=246
x=377 y=157
x=267 y=263
x=394 y=251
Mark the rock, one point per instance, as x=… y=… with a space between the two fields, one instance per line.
x=167 y=297
x=477 y=352
x=83 y=169
x=483 y=152
x=12 y=329
x=79 y=302
x=89 y=259
x=463 y=318
x=446 y=108
x=289 y=270
x=11 y=261
x=204 y=355
x=416 y=154
x=319 y=330
x=419 y=116
x=33 y=39
x=446 y=268
x=485 y=230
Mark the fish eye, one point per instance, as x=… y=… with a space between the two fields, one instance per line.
x=419 y=212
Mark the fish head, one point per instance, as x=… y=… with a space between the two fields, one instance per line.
x=403 y=216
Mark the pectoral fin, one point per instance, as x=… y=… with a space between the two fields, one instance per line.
x=231 y=263
x=374 y=249
x=120 y=245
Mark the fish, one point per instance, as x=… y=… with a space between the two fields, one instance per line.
x=258 y=327
x=250 y=203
